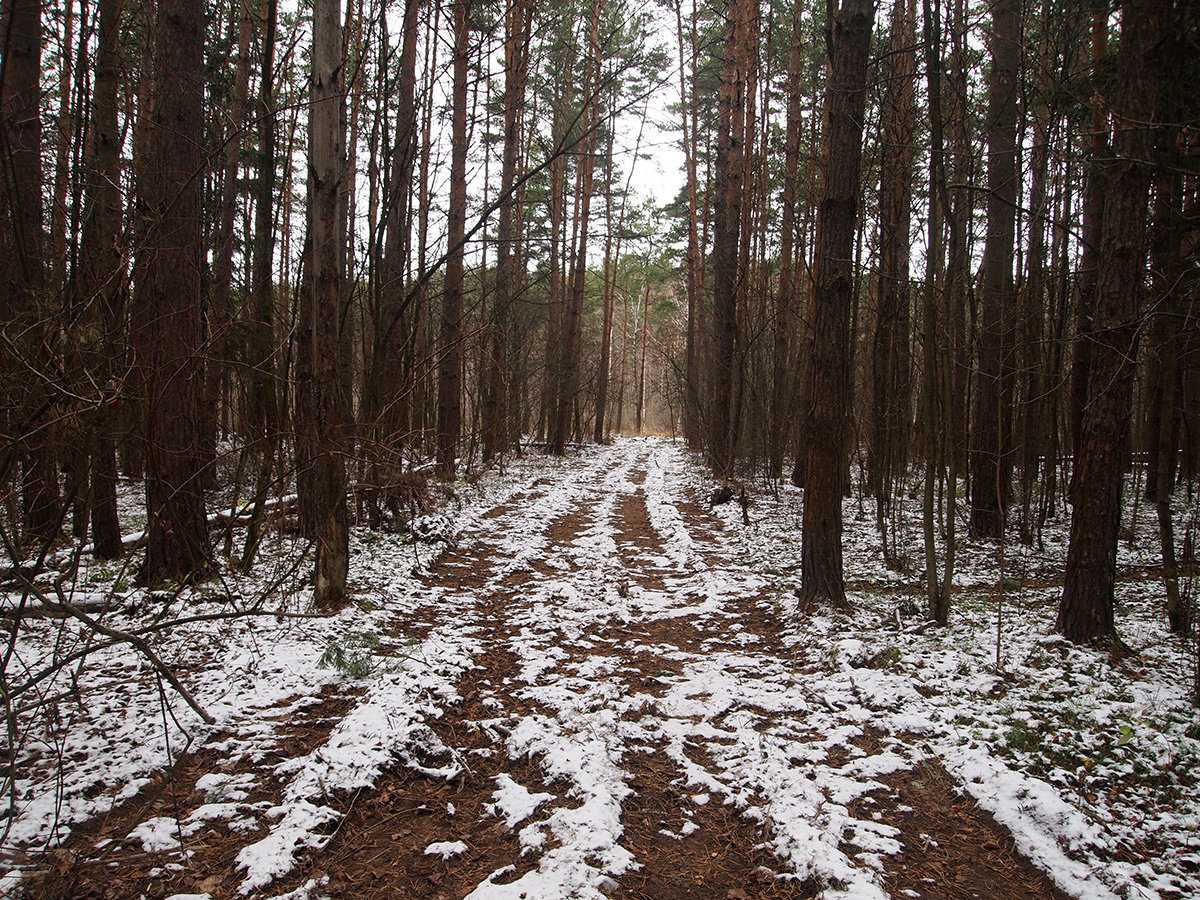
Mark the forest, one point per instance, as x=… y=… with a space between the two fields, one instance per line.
x=386 y=384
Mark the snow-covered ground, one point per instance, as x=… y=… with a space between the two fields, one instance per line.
x=1090 y=762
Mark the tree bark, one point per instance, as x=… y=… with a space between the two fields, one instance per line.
x=219 y=313
x=518 y=17
x=168 y=339
x=264 y=415
x=990 y=461
x=890 y=361
x=1086 y=610
x=727 y=269
x=326 y=170
x=450 y=365
x=837 y=219
x=786 y=291
x=102 y=271
x=568 y=364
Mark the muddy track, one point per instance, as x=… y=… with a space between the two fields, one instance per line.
x=631 y=682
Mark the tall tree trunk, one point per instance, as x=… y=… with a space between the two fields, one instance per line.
x=837 y=219
x=890 y=361
x=326 y=169
x=222 y=277
x=958 y=236
x=1168 y=277
x=23 y=244
x=938 y=440
x=101 y=271
x=694 y=263
x=554 y=300
x=568 y=364
x=264 y=415
x=168 y=339
x=1093 y=219
x=1086 y=610
x=990 y=461
x=728 y=271
x=450 y=366
x=785 y=299
x=1033 y=420
x=518 y=17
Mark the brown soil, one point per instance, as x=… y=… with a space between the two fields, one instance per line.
x=721 y=855
x=118 y=868
x=953 y=850
x=684 y=848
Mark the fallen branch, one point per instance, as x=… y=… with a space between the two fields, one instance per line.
x=68 y=609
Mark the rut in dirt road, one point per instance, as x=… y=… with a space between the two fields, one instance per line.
x=634 y=726
x=590 y=694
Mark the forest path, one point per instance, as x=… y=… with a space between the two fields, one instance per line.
x=636 y=727
x=629 y=717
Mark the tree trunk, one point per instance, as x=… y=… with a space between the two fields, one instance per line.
x=450 y=365
x=938 y=448
x=728 y=271
x=168 y=339
x=990 y=461
x=1086 y=610
x=837 y=219
x=102 y=271
x=568 y=364
x=264 y=416
x=1168 y=274
x=326 y=168
x=518 y=17
x=890 y=361
x=694 y=264
x=785 y=299
x=219 y=313
x=1093 y=218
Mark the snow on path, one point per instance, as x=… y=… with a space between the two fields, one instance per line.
x=625 y=646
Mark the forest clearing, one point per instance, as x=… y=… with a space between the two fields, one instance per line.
x=595 y=685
